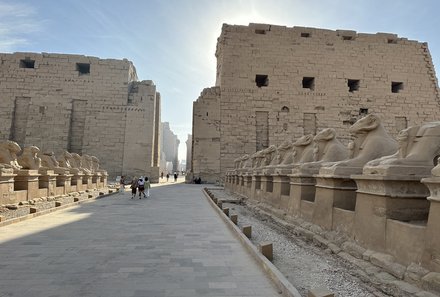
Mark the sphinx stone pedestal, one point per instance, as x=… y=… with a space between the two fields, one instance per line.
x=247 y=178
x=431 y=255
x=104 y=176
x=281 y=192
x=63 y=183
x=7 y=195
x=334 y=189
x=87 y=181
x=234 y=184
x=240 y=185
x=266 y=188
x=47 y=180
x=302 y=195
x=380 y=198
x=96 y=179
x=227 y=180
x=27 y=180
x=256 y=190
x=76 y=183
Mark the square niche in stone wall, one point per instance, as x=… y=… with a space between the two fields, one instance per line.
x=396 y=86
x=308 y=83
x=83 y=68
x=27 y=63
x=261 y=80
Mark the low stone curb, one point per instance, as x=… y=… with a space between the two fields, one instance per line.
x=286 y=288
x=50 y=210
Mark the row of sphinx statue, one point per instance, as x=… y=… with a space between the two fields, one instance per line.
x=32 y=158
x=371 y=151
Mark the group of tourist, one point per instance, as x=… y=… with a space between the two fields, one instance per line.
x=168 y=176
x=138 y=185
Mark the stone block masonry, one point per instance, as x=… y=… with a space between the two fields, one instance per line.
x=84 y=105
x=275 y=83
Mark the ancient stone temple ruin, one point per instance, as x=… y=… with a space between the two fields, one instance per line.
x=276 y=83
x=84 y=105
x=376 y=199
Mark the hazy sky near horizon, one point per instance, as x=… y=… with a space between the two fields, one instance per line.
x=172 y=42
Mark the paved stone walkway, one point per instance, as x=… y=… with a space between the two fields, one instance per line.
x=172 y=244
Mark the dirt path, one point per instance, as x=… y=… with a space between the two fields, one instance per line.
x=304 y=265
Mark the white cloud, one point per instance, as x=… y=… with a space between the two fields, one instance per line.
x=17 y=21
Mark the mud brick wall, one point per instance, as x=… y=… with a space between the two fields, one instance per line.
x=307 y=79
x=76 y=103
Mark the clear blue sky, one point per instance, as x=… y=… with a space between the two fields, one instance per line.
x=172 y=42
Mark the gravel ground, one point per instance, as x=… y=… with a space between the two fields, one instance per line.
x=303 y=264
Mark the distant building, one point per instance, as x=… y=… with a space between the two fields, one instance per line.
x=170 y=145
x=84 y=105
x=276 y=83
x=188 y=153
x=182 y=166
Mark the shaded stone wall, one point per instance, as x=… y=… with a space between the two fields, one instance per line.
x=188 y=153
x=72 y=102
x=307 y=79
x=140 y=131
x=206 y=136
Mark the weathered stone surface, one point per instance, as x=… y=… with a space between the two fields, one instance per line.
x=405 y=287
x=320 y=293
x=98 y=112
x=353 y=249
x=414 y=274
x=431 y=282
x=387 y=262
x=425 y=294
x=367 y=254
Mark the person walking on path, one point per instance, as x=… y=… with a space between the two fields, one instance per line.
x=175 y=176
x=134 y=186
x=141 y=187
x=122 y=185
x=161 y=175
x=168 y=176
x=147 y=187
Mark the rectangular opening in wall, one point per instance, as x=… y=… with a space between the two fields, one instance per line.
x=305 y=35
x=269 y=185
x=261 y=80
x=401 y=123
x=308 y=83
x=392 y=41
x=261 y=129
x=285 y=189
x=83 y=68
x=77 y=126
x=353 y=85
x=27 y=63
x=260 y=31
x=20 y=120
x=258 y=183
x=347 y=38
x=363 y=111
x=396 y=87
